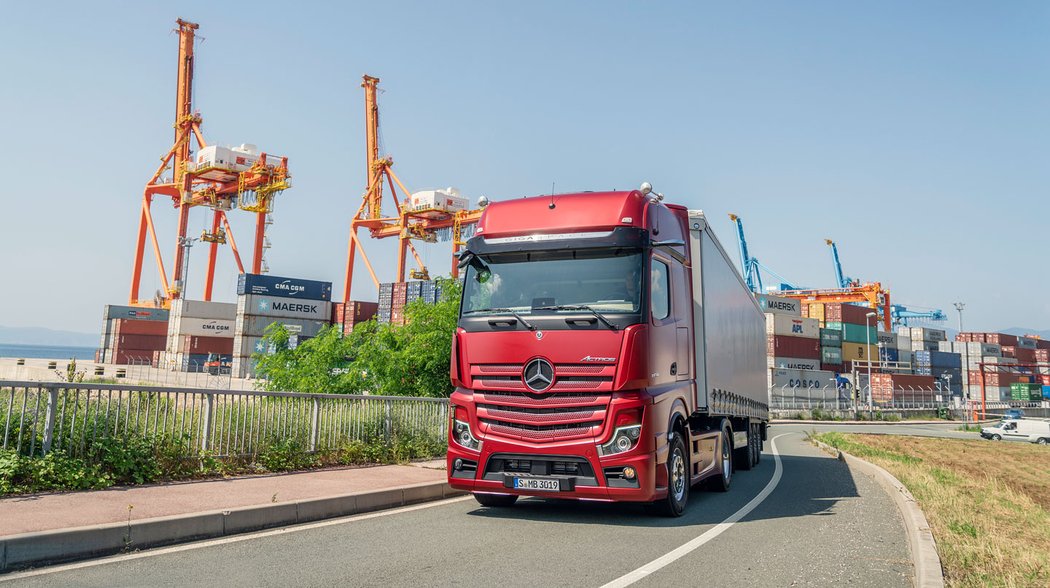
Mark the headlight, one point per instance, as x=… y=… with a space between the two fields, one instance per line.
x=623 y=439
x=462 y=435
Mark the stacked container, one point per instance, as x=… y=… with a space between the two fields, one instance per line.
x=792 y=342
x=345 y=316
x=393 y=297
x=134 y=341
x=886 y=388
x=196 y=330
x=831 y=350
x=114 y=312
x=303 y=306
x=945 y=366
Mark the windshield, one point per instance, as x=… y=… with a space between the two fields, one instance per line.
x=608 y=281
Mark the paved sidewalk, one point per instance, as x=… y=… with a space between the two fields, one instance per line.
x=47 y=528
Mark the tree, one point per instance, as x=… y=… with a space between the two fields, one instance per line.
x=408 y=360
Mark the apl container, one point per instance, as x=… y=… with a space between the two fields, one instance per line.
x=792 y=326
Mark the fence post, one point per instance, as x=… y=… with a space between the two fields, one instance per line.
x=209 y=413
x=49 y=420
x=387 y=425
x=315 y=421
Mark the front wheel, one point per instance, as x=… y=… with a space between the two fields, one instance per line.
x=677 y=480
x=997 y=438
x=1042 y=441
x=495 y=500
x=745 y=456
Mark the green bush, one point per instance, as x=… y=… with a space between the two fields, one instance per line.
x=131 y=460
x=55 y=471
x=286 y=455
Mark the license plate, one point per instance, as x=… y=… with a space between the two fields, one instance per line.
x=547 y=484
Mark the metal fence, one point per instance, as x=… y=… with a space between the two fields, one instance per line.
x=848 y=399
x=38 y=417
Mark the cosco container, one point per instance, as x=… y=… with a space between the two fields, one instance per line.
x=792 y=326
x=267 y=285
x=794 y=378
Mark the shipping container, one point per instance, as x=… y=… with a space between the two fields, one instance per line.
x=1046 y=392
x=792 y=326
x=1001 y=339
x=276 y=286
x=897 y=387
x=888 y=340
x=151 y=342
x=928 y=334
x=202 y=327
x=283 y=307
x=830 y=338
x=831 y=355
x=779 y=305
x=939 y=359
x=197 y=345
x=255 y=326
x=804 y=379
x=889 y=354
x=136 y=327
x=799 y=347
x=859 y=352
x=854 y=333
x=794 y=363
x=201 y=309
x=138 y=313
x=1027 y=343
x=413 y=291
x=843 y=312
x=814 y=310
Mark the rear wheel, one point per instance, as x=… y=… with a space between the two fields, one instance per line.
x=758 y=444
x=1043 y=441
x=720 y=483
x=745 y=456
x=677 y=480
x=495 y=500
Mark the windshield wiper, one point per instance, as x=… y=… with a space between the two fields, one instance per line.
x=524 y=322
x=599 y=315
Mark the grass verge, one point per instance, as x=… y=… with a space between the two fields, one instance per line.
x=988 y=503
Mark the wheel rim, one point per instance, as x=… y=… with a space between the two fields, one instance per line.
x=996 y=437
x=727 y=464
x=678 y=475
x=1041 y=441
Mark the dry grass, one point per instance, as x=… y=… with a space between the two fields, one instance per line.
x=988 y=503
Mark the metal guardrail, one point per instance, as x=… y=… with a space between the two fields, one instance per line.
x=39 y=417
x=847 y=399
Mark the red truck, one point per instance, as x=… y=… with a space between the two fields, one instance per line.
x=607 y=349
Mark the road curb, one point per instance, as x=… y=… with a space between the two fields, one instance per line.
x=923 y=548
x=65 y=545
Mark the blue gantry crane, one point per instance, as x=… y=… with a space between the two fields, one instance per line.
x=751 y=267
x=841 y=279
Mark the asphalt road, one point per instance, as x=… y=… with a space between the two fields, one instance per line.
x=818 y=526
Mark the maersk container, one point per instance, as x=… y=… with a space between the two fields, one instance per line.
x=888 y=340
x=792 y=326
x=855 y=333
x=279 y=307
x=779 y=305
x=267 y=285
x=793 y=363
x=830 y=338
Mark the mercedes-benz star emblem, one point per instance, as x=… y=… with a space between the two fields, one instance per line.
x=539 y=375
x=539 y=335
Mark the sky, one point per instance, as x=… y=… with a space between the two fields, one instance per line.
x=914 y=134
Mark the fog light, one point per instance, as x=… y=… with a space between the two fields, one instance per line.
x=628 y=473
x=458 y=464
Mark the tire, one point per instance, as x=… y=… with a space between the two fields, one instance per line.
x=1042 y=441
x=678 y=480
x=495 y=500
x=744 y=457
x=758 y=444
x=721 y=482
x=997 y=438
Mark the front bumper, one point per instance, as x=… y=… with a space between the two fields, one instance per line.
x=489 y=472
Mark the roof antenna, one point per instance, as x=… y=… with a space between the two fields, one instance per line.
x=551 y=205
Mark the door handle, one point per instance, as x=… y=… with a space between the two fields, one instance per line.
x=674 y=369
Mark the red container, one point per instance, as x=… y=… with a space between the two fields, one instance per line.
x=132 y=356
x=828 y=367
x=840 y=312
x=1008 y=351
x=137 y=327
x=197 y=345
x=1042 y=355
x=1043 y=344
x=993 y=379
x=359 y=311
x=888 y=387
x=337 y=312
x=151 y=342
x=797 y=347
x=1001 y=339
x=1024 y=355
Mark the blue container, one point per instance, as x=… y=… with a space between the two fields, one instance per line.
x=938 y=359
x=889 y=354
x=283 y=287
x=1046 y=392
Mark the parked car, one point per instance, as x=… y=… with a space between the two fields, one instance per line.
x=1031 y=430
x=1013 y=413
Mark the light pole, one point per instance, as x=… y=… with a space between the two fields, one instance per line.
x=959 y=306
x=867 y=351
x=965 y=382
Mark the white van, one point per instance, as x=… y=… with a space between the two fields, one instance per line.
x=1031 y=430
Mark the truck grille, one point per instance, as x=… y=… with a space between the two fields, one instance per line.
x=575 y=406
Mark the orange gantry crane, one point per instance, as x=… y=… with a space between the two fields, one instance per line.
x=221 y=179
x=872 y=294
x=428 y=222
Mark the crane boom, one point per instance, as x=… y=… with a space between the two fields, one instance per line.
x=748 y=264
x=841 y=278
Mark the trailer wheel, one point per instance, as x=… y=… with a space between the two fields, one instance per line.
x=720 y=483
x=495 y=500
x=744 y=457
x=677 y=480
x=758 y=444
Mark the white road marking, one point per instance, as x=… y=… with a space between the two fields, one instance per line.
x=225 y=540
x=679 y=552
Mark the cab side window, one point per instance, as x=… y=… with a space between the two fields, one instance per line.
x=660 y=290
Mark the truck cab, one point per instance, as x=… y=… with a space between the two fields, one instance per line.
x=574 y=360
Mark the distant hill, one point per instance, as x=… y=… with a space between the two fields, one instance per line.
x=1023 y=331
x=41 y=336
